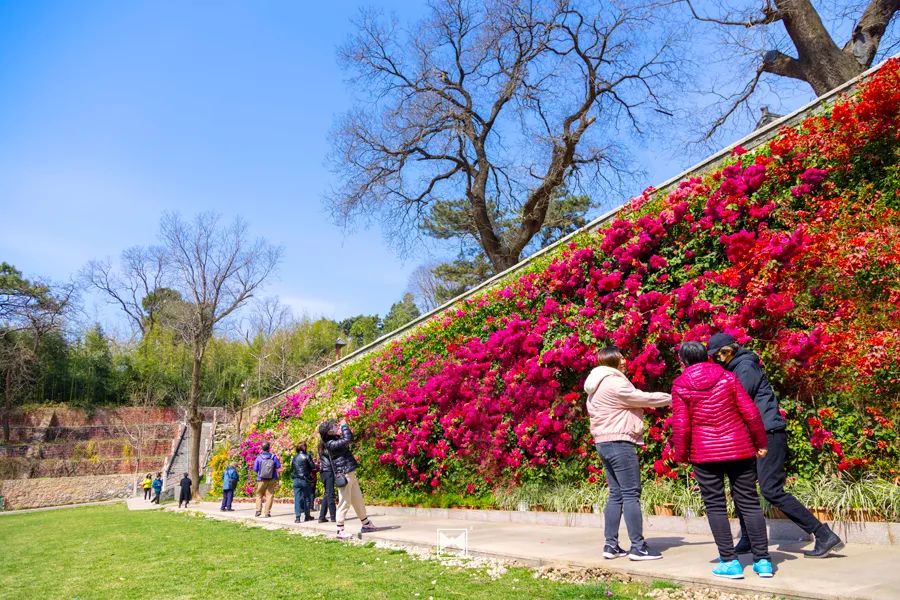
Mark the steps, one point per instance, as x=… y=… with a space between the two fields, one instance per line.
x=177 y=465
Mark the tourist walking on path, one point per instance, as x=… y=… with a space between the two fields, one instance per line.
x=327 y=505
x=147 y=484
x=185 y=494
x=230 y=480
x=302 y=469
x=335 y=443
x=157 y=488
x=717 y=428
x=266 y=468
x=770 y=469
x=615 y=409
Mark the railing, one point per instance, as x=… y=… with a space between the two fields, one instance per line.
x=750 y=141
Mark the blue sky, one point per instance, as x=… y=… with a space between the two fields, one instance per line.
x=113 y=112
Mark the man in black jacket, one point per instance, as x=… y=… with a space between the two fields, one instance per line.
x=302 y=468
x=770 y=469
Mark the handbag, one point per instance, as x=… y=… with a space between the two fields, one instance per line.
x=340 y=480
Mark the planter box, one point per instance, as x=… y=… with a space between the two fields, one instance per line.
x=865 y=515
x=664 y=510
x=822 y=514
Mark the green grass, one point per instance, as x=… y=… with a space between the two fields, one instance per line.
x=109 y=552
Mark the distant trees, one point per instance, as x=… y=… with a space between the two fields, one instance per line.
x=401 y=313
x=30 y=311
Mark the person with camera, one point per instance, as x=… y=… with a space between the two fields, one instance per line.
x=335 y=444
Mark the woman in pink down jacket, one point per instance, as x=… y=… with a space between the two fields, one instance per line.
x=718 y=429
x=615 y=407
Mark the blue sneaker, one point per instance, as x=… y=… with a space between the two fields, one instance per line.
x=730 y=570
x=763 y=568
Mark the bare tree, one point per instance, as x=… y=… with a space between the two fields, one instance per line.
x=426 y=286
x=141 y=274
x=217 y=269
x=790 y=39
x=499 y=102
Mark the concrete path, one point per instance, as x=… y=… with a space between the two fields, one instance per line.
x=138 y=503
x=861 y=572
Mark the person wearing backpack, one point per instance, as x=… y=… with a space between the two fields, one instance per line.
x=229 y=484
x=157 y=488
x=336 y=441
x=266 y=468
x=302 y=468
x=185 y=495
x=146 y=484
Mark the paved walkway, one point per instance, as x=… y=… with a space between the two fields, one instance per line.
x=861 y=572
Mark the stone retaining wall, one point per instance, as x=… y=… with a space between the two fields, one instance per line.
x=57 y=491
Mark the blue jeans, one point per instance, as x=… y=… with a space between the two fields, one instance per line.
x=623 y=476
x=301 y=497
x=227 y=498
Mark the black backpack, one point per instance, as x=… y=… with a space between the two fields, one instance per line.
x=267 y=468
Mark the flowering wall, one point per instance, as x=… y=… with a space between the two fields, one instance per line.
x=793 y=248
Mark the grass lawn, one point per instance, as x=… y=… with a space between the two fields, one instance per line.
x=109 y=552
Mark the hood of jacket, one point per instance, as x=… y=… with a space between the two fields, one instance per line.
x=744 y=355
x=701 y=376
x=598 y=374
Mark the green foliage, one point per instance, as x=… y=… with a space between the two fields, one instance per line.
x=401 y=313
x=362 y=329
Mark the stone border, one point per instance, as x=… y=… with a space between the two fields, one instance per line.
x=780 y=530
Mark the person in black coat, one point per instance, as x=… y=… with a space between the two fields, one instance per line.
x=185 y=493
x=336 y=440
x=747 y=367
x=327 y=505
x=302 y=469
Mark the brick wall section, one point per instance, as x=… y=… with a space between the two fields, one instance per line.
x=35 y=493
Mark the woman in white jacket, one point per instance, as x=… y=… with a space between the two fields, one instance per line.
x=617 y=424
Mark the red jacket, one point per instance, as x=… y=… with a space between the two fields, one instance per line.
x=713 y=418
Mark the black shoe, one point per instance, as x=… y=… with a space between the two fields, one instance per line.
x=323 y=520
x=296 y=519
x=827 y=541
x=643 y=553
x=743 y=546
x=613 y=551
x=308 y=518
x=258 y=513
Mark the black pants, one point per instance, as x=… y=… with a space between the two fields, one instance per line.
x=328 y=504
x=146 y=493
x=155 y=498
x=771 y=475
x=742 y=476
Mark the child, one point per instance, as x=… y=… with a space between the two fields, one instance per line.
x=146 y=484
x=185 y=495
x=157 y=488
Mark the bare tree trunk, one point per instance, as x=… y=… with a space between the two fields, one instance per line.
x=820 y=62
x=7 y=405
x=195 y=420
